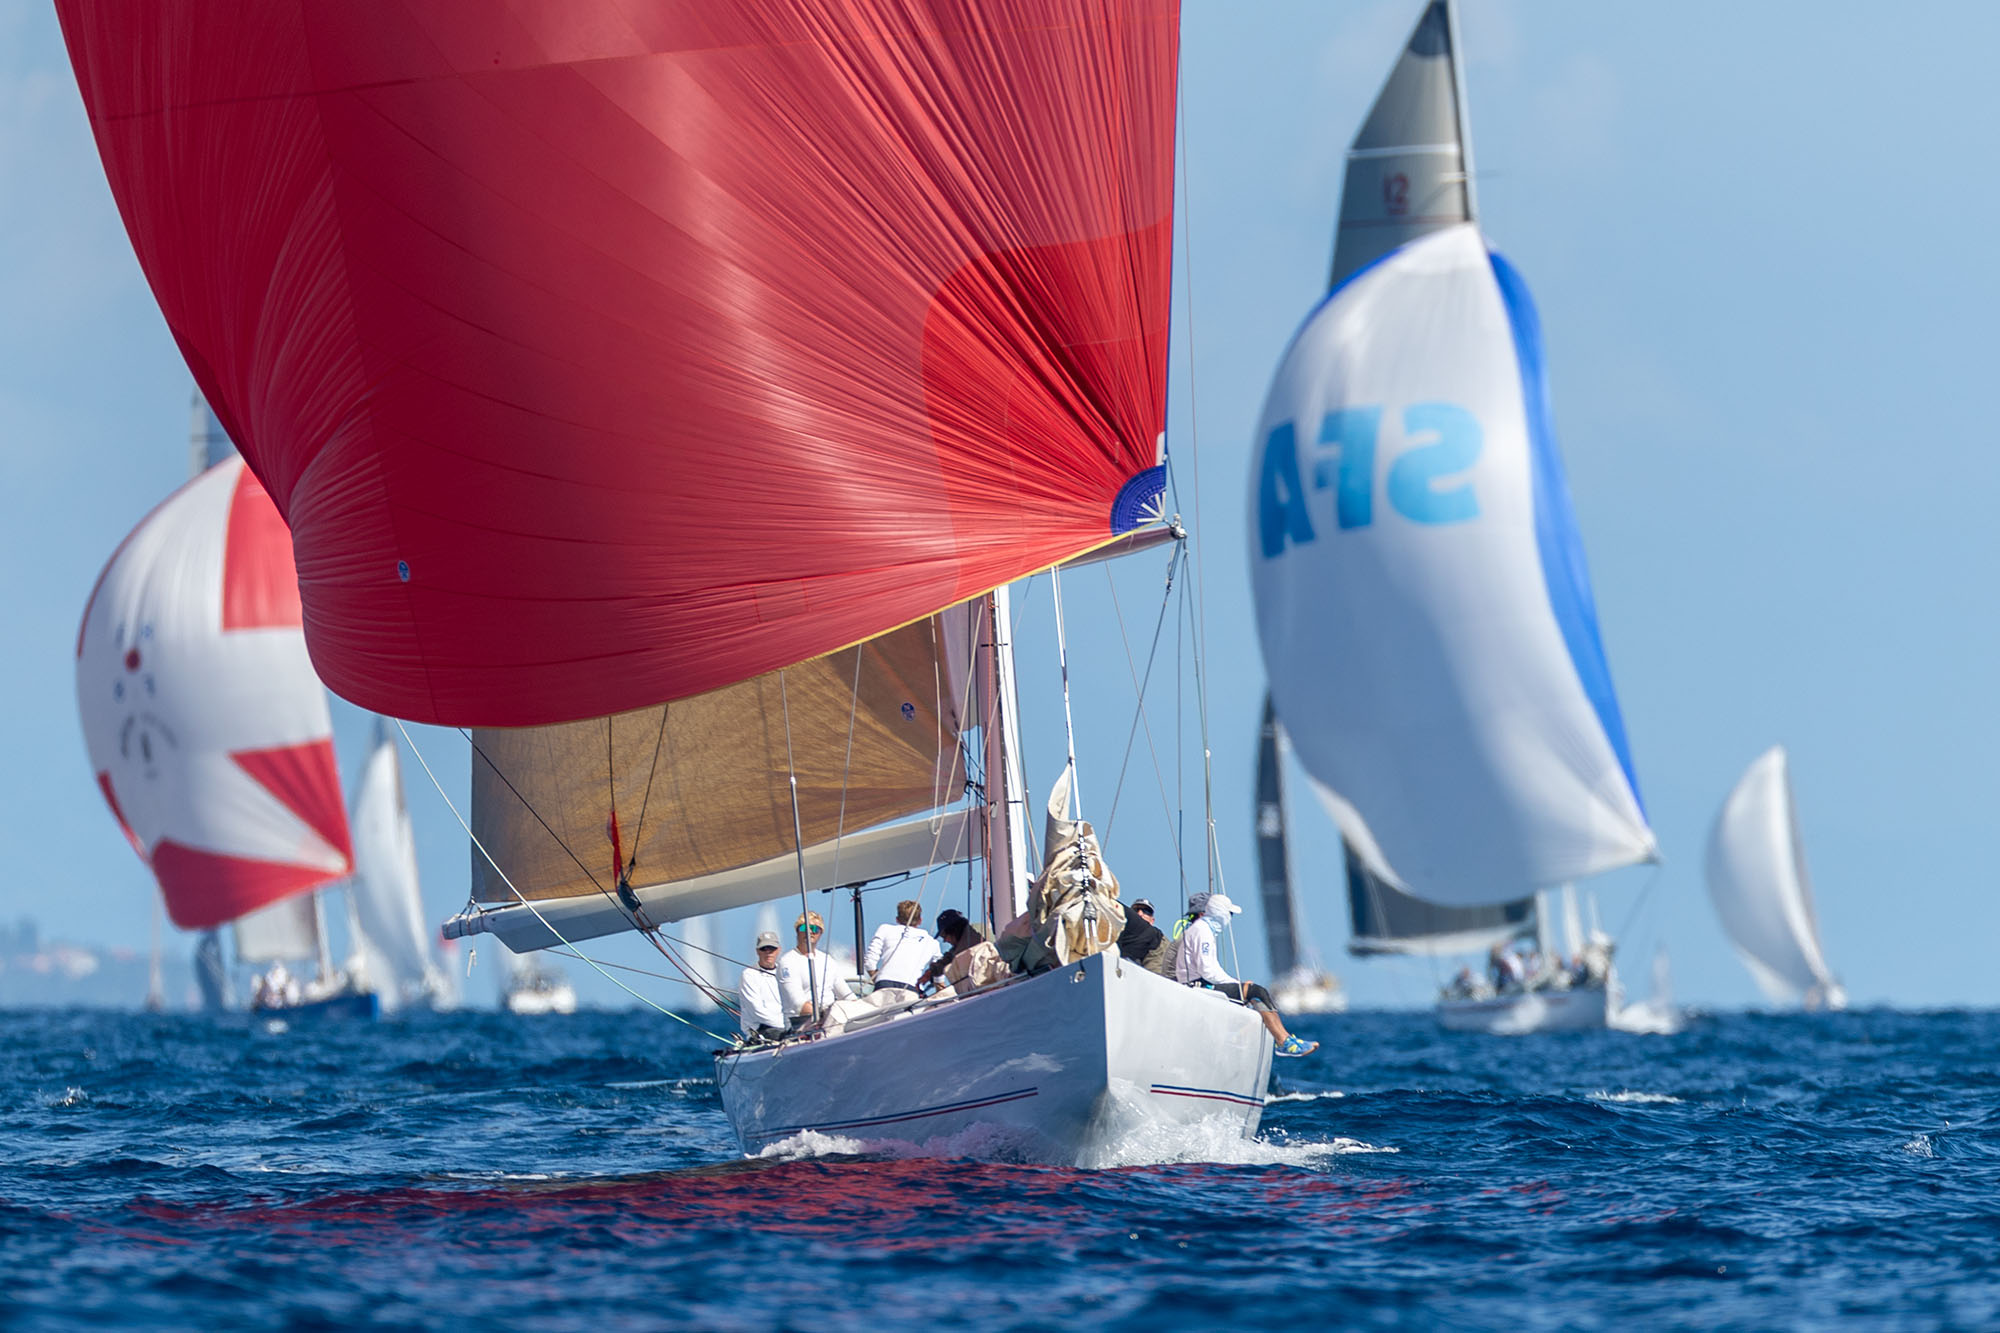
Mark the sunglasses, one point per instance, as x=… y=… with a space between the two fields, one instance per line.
x=813 y=930
x=767 y=948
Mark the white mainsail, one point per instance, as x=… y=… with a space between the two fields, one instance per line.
x=1757 y=879
x=387 y=898
x=698 y=939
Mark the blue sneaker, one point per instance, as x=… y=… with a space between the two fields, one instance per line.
x=1293 y=1046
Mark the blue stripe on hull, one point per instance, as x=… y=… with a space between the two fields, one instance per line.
x=897 y=1117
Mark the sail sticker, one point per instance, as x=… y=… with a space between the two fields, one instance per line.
x=1425 y=482
x=1138 y=500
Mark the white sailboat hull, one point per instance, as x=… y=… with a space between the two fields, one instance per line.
x=1574 y=1010
x=1094 y=1064
x=1306 y=991
x=559 y=998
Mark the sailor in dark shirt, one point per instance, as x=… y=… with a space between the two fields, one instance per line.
x=959 y=934
x=1140 y=936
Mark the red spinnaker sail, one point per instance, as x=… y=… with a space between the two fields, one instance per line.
x=600 y=353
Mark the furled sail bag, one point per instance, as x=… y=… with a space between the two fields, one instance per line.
x=1075 y=899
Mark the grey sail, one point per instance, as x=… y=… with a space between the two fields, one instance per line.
x=1409 y=169
x=1387 y=920
x=208 y=442
x=1274 y=867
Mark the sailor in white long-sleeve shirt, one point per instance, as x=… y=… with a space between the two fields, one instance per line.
x=899 y=953
x=806 y=976
x=1199 y=963
x=762 y=1004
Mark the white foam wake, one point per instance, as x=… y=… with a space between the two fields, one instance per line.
x=1648 y=1018
x=1628 y=1097
x=1325 y=1094
x=1218 y=1140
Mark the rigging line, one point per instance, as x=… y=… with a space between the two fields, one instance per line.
x=529 y=807
x=1140 y=685
x=639 y=833
x=1069 y=727
x=528 y=903
x=1180 y=742
x=1640 y=901
x=627 y=967
x=799 y=855
x=1194 y=451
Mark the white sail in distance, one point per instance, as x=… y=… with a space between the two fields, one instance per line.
x=1757 y=879
x=1423 y=605
x=388 y=901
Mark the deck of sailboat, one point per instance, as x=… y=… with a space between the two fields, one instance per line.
x=1084 y=1066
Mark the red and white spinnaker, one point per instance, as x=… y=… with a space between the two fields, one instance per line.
x=207 y=728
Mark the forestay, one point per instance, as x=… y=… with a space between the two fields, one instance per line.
x=206 y=728
x=1757 y=879
x=601 y=355
x=1422 y=601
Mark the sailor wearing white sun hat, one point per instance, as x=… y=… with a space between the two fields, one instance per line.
x=1200 y=964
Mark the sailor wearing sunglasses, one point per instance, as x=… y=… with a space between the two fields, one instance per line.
x=806 y=975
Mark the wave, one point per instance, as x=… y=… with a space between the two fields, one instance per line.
x=1626 y=1097
x=1217 y=1141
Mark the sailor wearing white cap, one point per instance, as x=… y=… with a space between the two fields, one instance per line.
x=1199 y=963
x=763 y=1008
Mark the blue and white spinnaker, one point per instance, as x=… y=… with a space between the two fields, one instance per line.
x=1425 y=613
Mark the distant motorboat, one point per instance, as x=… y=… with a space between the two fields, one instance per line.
x=532 y=987
x=1758 y=882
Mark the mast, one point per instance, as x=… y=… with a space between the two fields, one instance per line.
x=322 y=949
x=1281 y=924
x=1004 y=816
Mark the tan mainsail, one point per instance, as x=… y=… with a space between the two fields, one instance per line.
x=702 y=785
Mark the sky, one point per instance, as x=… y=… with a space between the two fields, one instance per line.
x=1754 y=236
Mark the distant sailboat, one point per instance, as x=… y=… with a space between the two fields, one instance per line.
x=208 y=730
x=1299 y=984
x=530 y=985
x=394 y=942
x=1424 y=610
x=1757 y=879
x=697 y=488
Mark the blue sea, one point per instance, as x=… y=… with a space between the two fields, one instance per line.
x=480 y=1171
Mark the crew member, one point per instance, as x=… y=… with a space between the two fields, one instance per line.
x=1199 y=964
x=762 y=1013
x=899 y=953
x=805 y=975
x=1140 y=936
